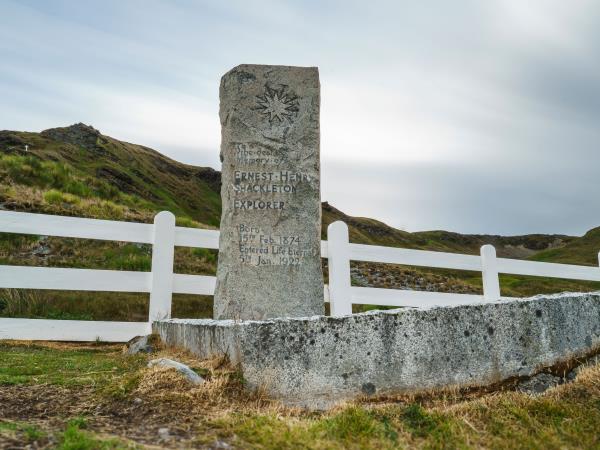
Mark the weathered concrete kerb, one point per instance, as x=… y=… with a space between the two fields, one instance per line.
x=318 y=361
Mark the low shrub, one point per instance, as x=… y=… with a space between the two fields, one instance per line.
x=54 y=197
x=22 y=303
x=186 y=222
x=208 y=255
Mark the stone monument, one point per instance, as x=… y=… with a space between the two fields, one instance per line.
x=270 y=243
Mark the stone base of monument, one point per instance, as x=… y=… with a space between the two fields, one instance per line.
x=319 y=361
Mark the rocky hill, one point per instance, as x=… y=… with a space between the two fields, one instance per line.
x=81 y=162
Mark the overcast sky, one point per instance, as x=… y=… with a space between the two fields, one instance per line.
x=471 y=116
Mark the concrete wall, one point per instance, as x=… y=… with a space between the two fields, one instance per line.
x=318 y=361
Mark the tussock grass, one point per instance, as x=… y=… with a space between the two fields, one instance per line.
x=61 y=182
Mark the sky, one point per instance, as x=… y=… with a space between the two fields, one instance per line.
x=468 y=116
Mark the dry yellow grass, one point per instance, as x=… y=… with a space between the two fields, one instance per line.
x=136 y=401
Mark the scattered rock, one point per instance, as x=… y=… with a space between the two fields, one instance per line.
x=163 y=434
x=79 y=134
x=539 y=383
x=191 y=376
x=139 y=344
x=220 y=445
x=137 y=401
x=42 y=250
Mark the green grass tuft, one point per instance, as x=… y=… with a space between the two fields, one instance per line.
x=33 y=364
x=75 y=438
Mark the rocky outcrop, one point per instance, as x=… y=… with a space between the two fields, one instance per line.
x=80 y=135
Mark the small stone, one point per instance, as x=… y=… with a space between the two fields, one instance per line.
x=163 y=434
x=139 y=344
x=189 y=374
x=220 y=444
x=539 y=383
x=137 y=401
x=368 y=388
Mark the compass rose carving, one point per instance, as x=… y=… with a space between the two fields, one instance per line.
x=277 y=104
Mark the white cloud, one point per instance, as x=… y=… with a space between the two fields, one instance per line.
x=473 y=116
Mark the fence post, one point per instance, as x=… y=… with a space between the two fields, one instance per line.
x=338 y=256
x=491 y=282
x=163 y=252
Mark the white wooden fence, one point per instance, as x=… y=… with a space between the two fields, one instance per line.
x=161 y=282
x=343 y=294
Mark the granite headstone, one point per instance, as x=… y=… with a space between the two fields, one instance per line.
x=269 y=250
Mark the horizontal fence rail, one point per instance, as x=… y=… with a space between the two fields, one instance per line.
x=161 y=282
x=71 y=330
x=415 y=299
x=391 y=255
x=551 y=270
x=75 y=227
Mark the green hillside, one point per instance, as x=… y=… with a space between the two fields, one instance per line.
x=68 y=170
x=583 y=250
x=78 y=171
x=370 y=231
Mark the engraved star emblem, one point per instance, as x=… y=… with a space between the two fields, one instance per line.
x=278 y=105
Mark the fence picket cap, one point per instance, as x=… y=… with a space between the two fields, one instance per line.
x=489 y=273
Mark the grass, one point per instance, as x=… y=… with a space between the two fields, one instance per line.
x=560 y=419
x=74 y=437
x=76 y=305
x=55 y=197
x=61 y=182
x=90 y=390
x=28 y=433
x=133 y=176
x=64 y=366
